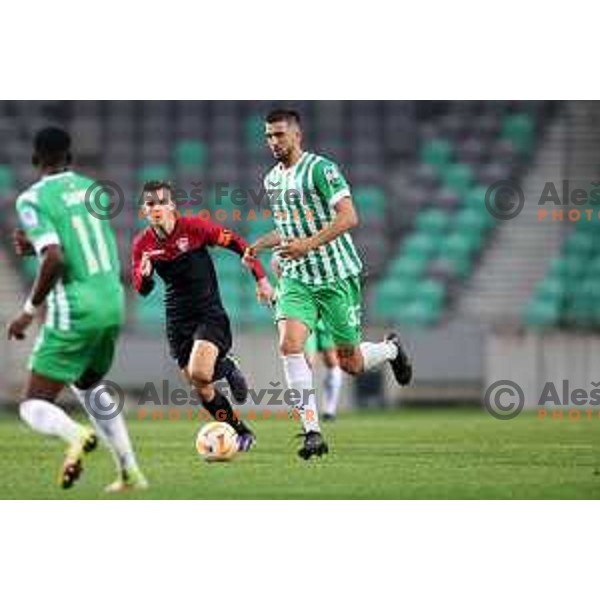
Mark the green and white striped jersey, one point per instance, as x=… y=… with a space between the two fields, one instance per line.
x=302 y=199
x=55 y=210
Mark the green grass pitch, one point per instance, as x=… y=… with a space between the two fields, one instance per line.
x=412 y=453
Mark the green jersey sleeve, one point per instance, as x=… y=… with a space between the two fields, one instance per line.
x=329 y=182
x=37 y=224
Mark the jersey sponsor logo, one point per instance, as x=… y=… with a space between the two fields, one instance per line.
x=183 y=244
x=29 y=217
x=332 y=175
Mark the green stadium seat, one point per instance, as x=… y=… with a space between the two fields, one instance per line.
x=580 y=244
x=257 y=315
x=542 y=313
x=418 y=314
x=475 y=198
x=458 y=264
x=432 y=221
x=431 y=293
x=6 y=178
x=420 y=244
x=408 y=267
x=153 y=173
x=370 y=202
x=568 y=268
x=549 y=289
x=190 y=154
x=471 y=218
x=519 y=130
x=461 y=243
x=149 y=311
x=458 y=178
x=255 y=132
x=436 y=153
x=395 y=290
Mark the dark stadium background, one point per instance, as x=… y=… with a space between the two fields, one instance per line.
x=476 y=297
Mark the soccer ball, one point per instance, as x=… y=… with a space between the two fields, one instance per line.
x=217 y=442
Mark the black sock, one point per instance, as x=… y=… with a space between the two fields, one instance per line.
x=221 y=410
x=224 y=368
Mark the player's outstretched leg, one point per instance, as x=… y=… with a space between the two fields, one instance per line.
x=374 y=354
x=229 y=369
x=201 y=372
x=293 y=334
x=113 y=430
x=39 y=412
x=401 y=364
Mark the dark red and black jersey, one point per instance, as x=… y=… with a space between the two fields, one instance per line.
x=183 y=262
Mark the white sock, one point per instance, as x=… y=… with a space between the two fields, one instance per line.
x=113 y=430
x=299 y=377
x=332 y=384
x=376 y=354
x=44 y=417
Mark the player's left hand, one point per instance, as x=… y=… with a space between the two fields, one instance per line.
x=264 y=291
x=18 y=326
x=294 y=249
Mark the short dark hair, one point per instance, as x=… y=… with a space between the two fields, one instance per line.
x=158 y=184
x=51 y=147
x=283 y=114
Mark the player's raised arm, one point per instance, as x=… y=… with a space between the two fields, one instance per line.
x=216 y=235
x=141 y=268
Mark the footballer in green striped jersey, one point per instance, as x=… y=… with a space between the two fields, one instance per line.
x=313 y=214
x=303 y=199
x=65 y=221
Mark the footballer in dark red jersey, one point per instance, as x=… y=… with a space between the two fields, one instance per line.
x=198 y=327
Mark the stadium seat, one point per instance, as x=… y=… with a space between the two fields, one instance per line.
x=461 y=242
x=408 y=267
x=540 y=313
x=471 y=218
x=549 y=289
x=255 y=133
x=580 y=244
x=520 y=131
x=154 y=172
x=190 y=154
x=436 y=153
x=459 y=178
x=6 y=178
x=418 y=314
x=149 y=311
x=420 y=244
x=370 y=202
x=432 y=221
x=431 y=292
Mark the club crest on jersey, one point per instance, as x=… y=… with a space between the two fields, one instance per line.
x=331 y=174
x=183 y=244
x=29 y=217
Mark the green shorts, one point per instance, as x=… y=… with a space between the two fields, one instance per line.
x=66 y=355
x=336 y=304
x=320 y=340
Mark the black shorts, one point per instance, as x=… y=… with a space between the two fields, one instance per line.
x=213 y=328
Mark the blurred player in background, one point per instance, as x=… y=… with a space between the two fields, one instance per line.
x=79 y=279
x=198 y=327
x=320 y=344
x=313 y=214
